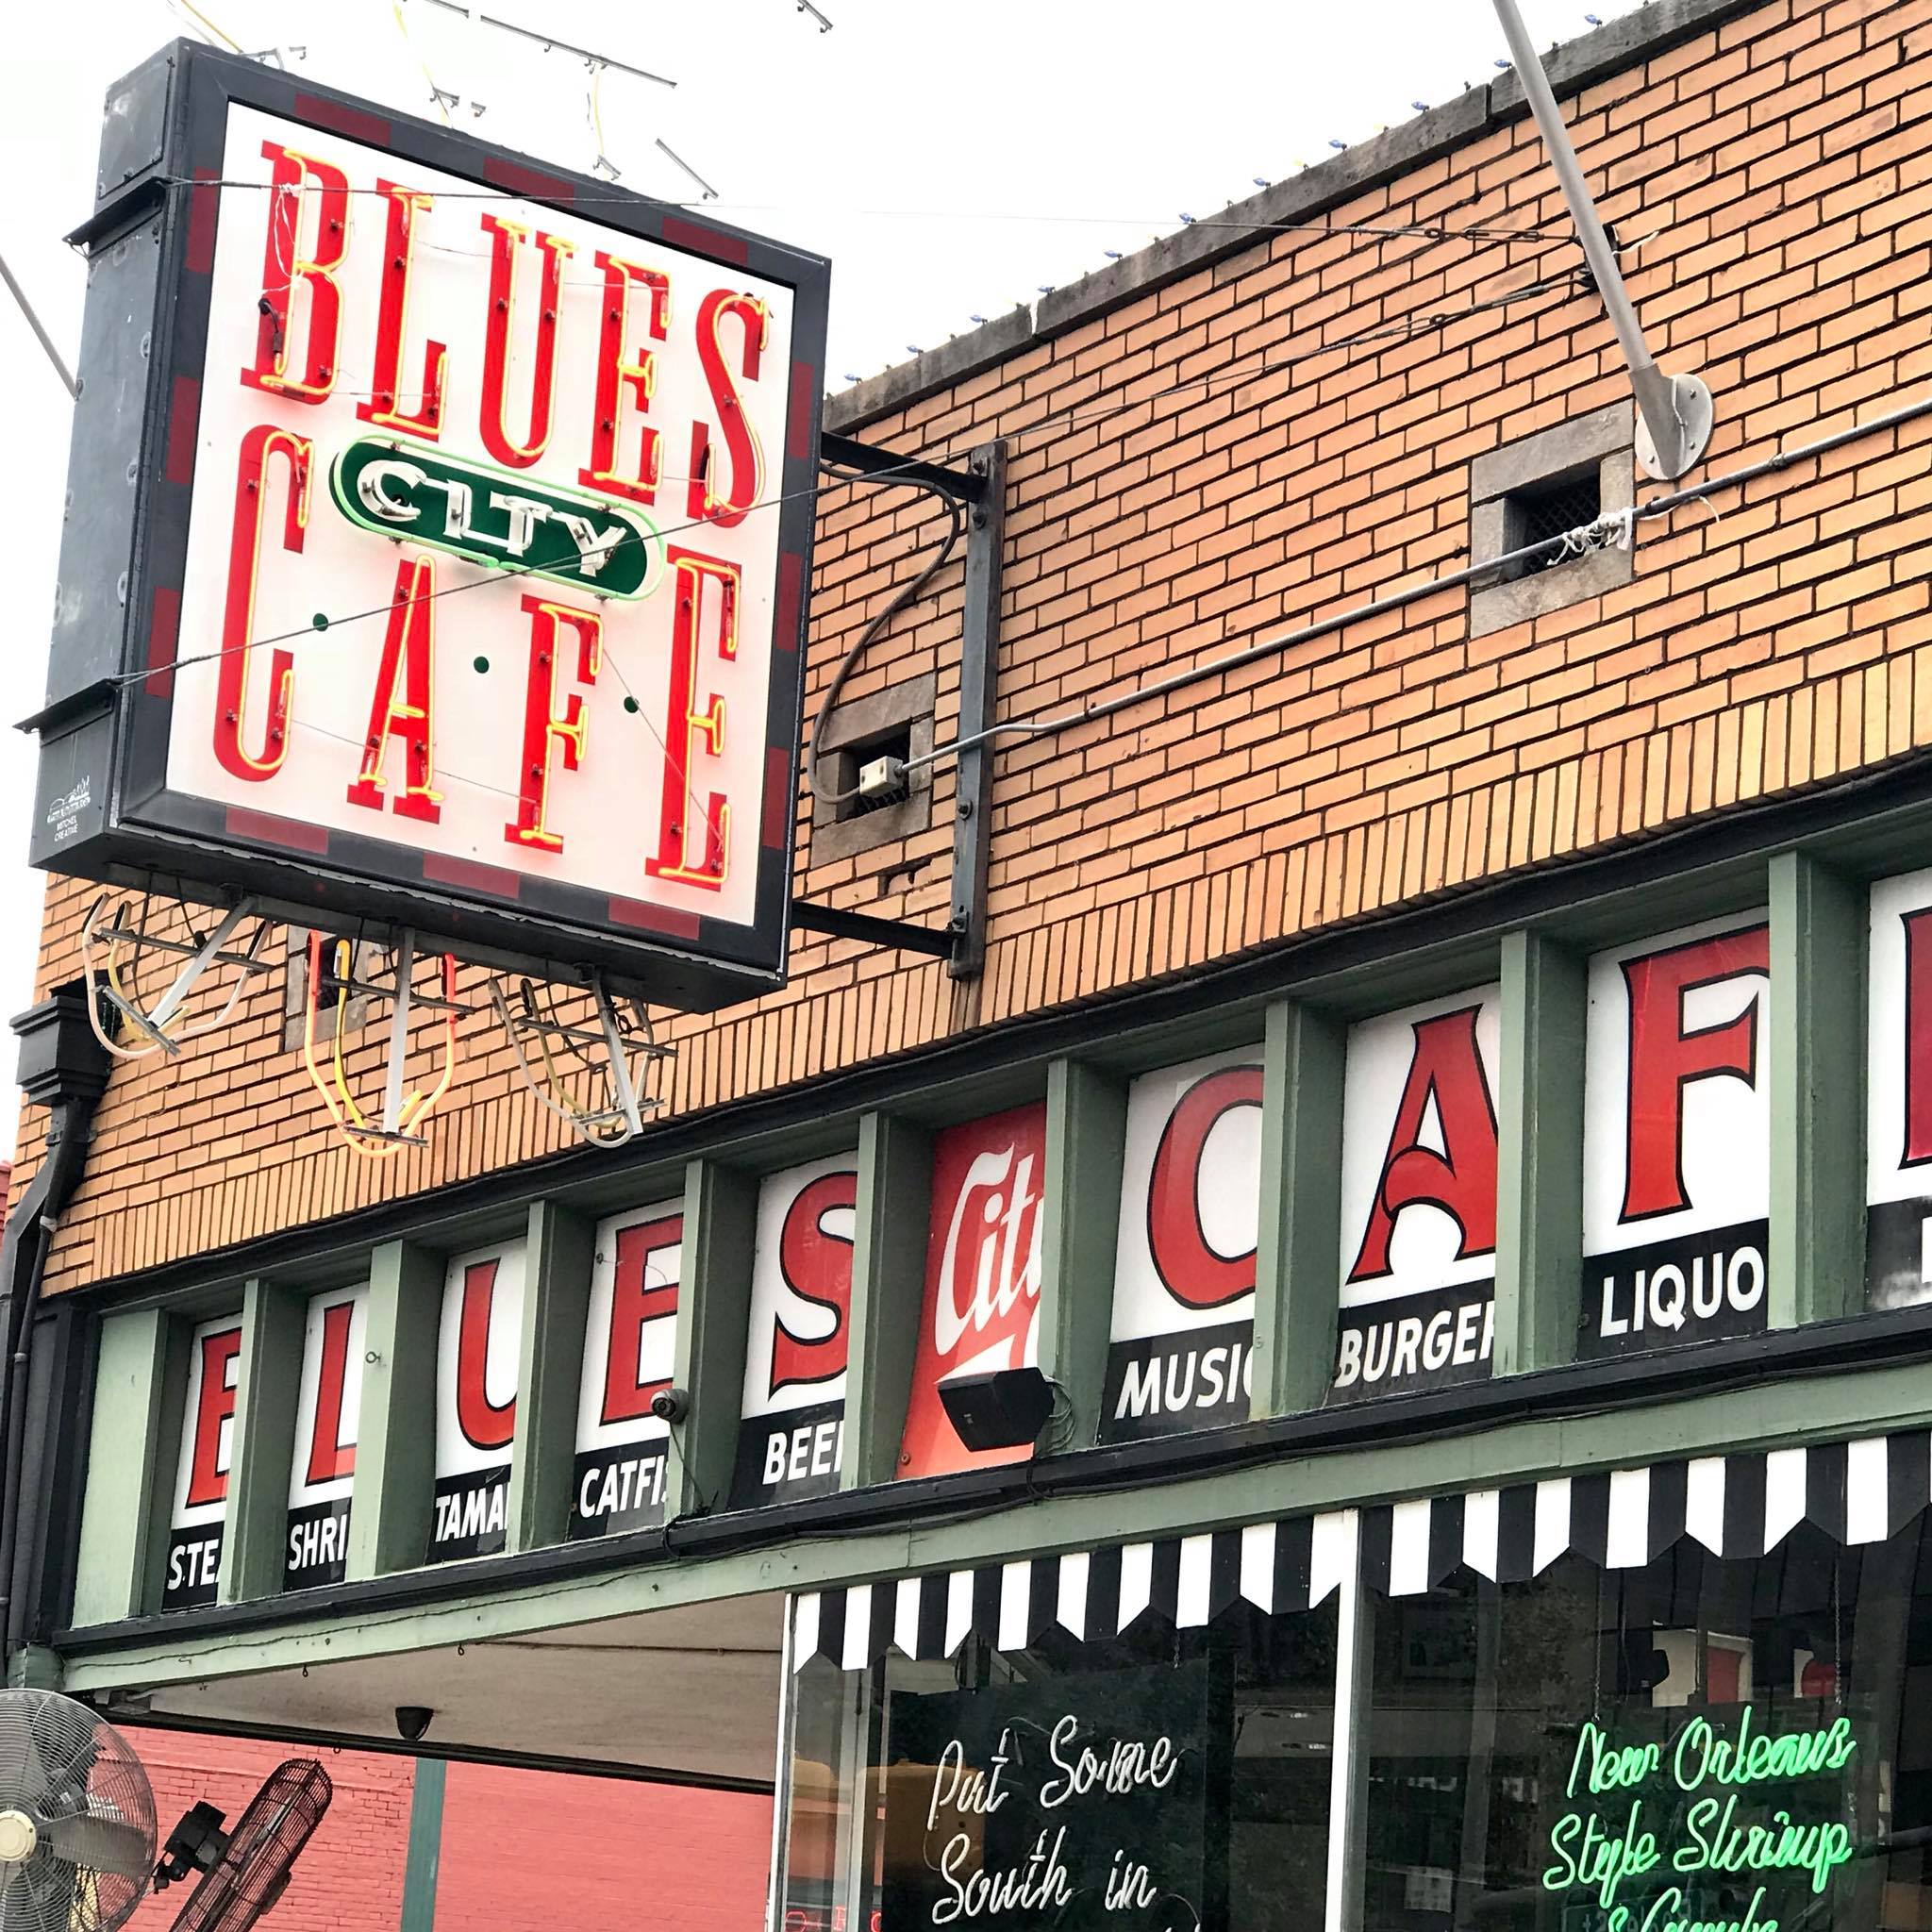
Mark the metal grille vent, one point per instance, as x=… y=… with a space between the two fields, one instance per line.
x=1550 y=510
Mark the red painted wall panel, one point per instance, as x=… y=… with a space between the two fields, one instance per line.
x=531 y=1851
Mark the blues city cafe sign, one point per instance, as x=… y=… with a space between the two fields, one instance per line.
x=469 y=584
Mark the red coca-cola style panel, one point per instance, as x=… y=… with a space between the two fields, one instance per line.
x=982 y=1277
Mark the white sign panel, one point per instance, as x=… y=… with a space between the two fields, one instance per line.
x=1677 y=1139
x=791 y=1440
x=1184 y=1261
x=1898 y=1095
x=476 y=1350
x=630 y=1344
x=201 y=1471
x=1418 y=1197
x=328 y=1407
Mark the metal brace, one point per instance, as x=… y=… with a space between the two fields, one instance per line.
x=982 y=488
x=620 y=1035
x=198 y=954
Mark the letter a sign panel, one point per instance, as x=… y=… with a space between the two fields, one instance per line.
x=441 y=542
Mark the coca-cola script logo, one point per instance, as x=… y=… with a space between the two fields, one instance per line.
x=982 y=1275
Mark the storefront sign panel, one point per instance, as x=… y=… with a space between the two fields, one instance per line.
x=1086 y=1804
x=201 y=1475
x=1898 y=1095
x=792 y=1439
x=328 y=1407
x=1677 y=1162
x=982 y=1277
x=477 y=1346
x=1418 y=1197
x=618 y=1480
x=1184 y=1271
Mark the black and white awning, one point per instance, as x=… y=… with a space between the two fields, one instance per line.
x=1739 y=1504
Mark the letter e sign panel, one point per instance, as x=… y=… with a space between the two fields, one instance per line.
x=982 y=1278
x=201 y=1473
x=1184 y=1267
x=629 y=1344
x=1677 y=1139
x=329 y=1406
x=1898 y=1095
x=469 y=585
x=792 y=1439
x=1418 y=1197
x=476 y=1350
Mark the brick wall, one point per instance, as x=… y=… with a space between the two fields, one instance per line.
x=1196 y=468
x=522 y=1851
x=350 y=1879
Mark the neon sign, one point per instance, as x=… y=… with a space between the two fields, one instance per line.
x=1652 y=1826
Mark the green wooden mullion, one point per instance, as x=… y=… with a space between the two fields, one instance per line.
x=1296 y=1266
x=268 y=1386
x=1086 y=1145
x=713 y=1314
x=1538 y=1155
x=1816 y=1048
x=887 y=1286
x=396 y=1447
x=550 y=1358
x=124 y=1521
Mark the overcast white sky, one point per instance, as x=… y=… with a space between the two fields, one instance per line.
x=951 y=159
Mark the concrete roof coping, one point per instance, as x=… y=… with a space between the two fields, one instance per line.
x=1609 y=50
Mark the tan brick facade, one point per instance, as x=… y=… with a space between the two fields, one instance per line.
x=1198 y=468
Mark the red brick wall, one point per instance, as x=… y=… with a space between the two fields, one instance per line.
x=532 y=1852
x=523 y=1851
x=1195 y=470
x=350 y=1879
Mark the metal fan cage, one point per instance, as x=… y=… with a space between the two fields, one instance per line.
x=250 y=1874
x=79 y=1782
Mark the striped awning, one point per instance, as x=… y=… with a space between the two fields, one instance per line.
x=1741 y=1504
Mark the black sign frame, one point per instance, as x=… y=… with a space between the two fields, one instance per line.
x=103 y=811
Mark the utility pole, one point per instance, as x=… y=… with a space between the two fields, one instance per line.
x=1674 y=410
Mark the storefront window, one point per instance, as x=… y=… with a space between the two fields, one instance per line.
x=1697 y=1743
x=1160 y=1781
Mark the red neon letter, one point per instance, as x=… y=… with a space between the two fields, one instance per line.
x=542 y=727
x=282 y=268
x=330 y=1456
x=1664 y=1058
x=635 y=1300
x=615 y=376
x=384 y=408
x=407 y=654
x=1918 y=927
x=485 y=1425
x=221 y=1364
x=748 y=461
x=505 y=240
x=1446 y=1065
x=688 y=723
x=238 y=614
x=817 y=1267
x=1191 y=1271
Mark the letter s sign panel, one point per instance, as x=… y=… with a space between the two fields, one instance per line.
x=982 y=1277
x=1677 y=1139
x=1898 y=1095
x=1418 y=1197
x=1184 y=1262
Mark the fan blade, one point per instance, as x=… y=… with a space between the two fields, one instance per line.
x=22 y=1776
x=103 y=1844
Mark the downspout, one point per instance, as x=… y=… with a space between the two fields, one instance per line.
x=64 y=1068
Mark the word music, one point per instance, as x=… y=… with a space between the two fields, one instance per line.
x=1702 y=1810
